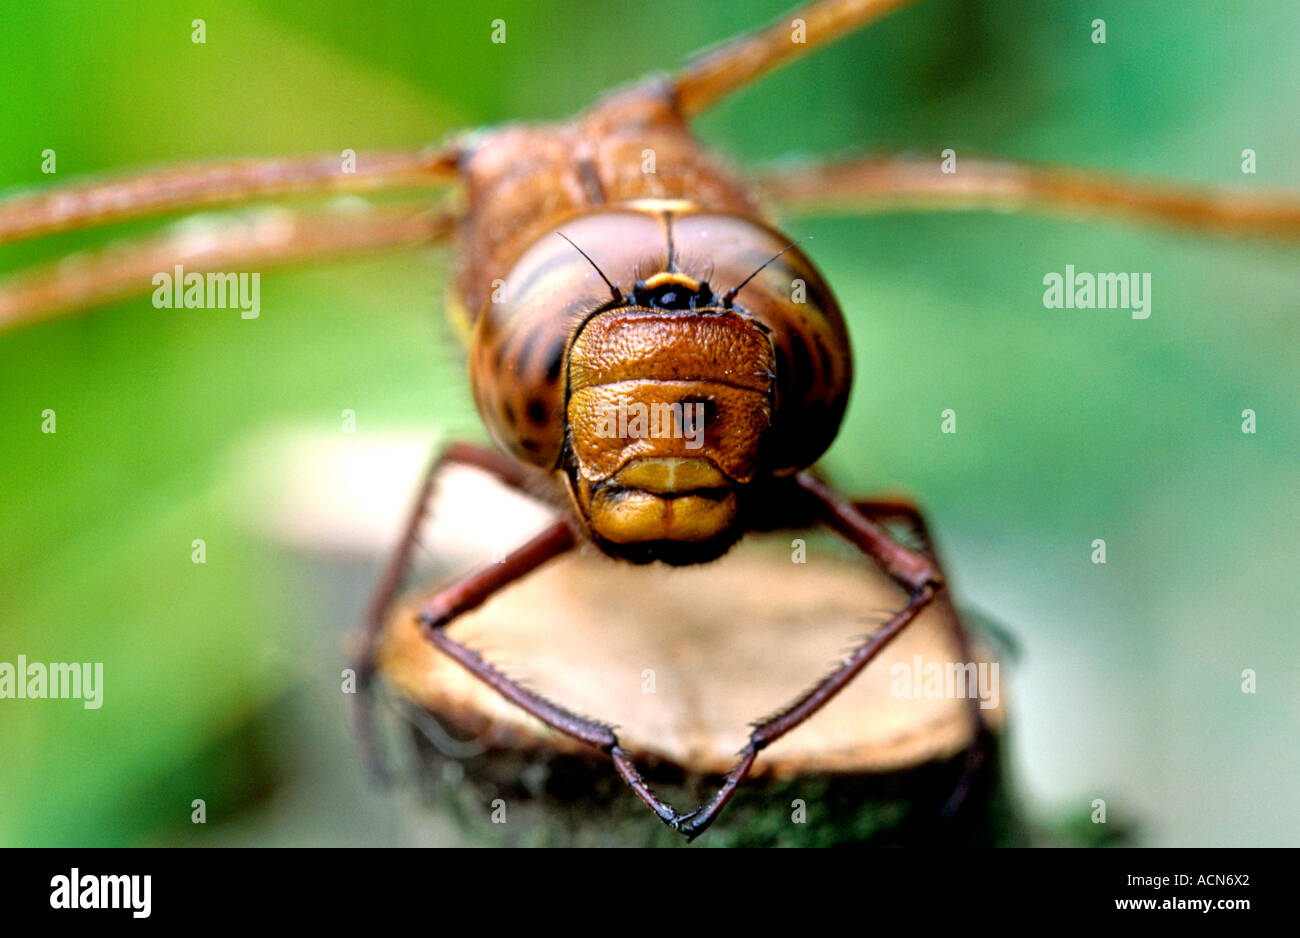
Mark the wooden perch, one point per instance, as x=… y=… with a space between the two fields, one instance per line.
x=682 y=660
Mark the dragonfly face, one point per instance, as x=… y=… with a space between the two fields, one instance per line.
x=669 y=409
x=663 y=406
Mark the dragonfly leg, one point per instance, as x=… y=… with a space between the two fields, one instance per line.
x=888 y=509
x=390 y=581
x=207 y=185
x=731 y=66
x=897 y=183
x=440 y=611
x=913 y=571
x=271 y=238
x=437 y=613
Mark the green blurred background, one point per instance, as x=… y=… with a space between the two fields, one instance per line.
x=222 y=678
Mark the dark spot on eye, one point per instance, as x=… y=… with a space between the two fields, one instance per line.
x=523 y=354
x=537 y=411
x=536 y=343
x=512 y=416
x=533 y=446
x=805 y=373
x=555 y=361
x=783 y=367
x=824 y=355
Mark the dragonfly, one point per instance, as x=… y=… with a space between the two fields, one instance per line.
x=646 y=349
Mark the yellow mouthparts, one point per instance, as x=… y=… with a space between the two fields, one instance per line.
x=666 y=475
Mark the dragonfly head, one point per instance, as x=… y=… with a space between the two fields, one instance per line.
x=668 y=412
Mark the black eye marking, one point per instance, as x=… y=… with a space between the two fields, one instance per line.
x=805 y=372
x=555 y=361
x=523 y=354
x=824 y=355
x=536 y=411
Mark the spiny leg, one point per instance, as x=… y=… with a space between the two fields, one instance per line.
x=274 y=237
x=390 y=581
x=440 y=611
x=977 y=751
x=712 y=76
x=908 y=184
x=911 y=570
x=206 y=185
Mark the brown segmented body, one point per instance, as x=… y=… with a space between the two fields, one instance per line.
x=776 y=370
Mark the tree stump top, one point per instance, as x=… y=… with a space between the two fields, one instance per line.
x=682 y=660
